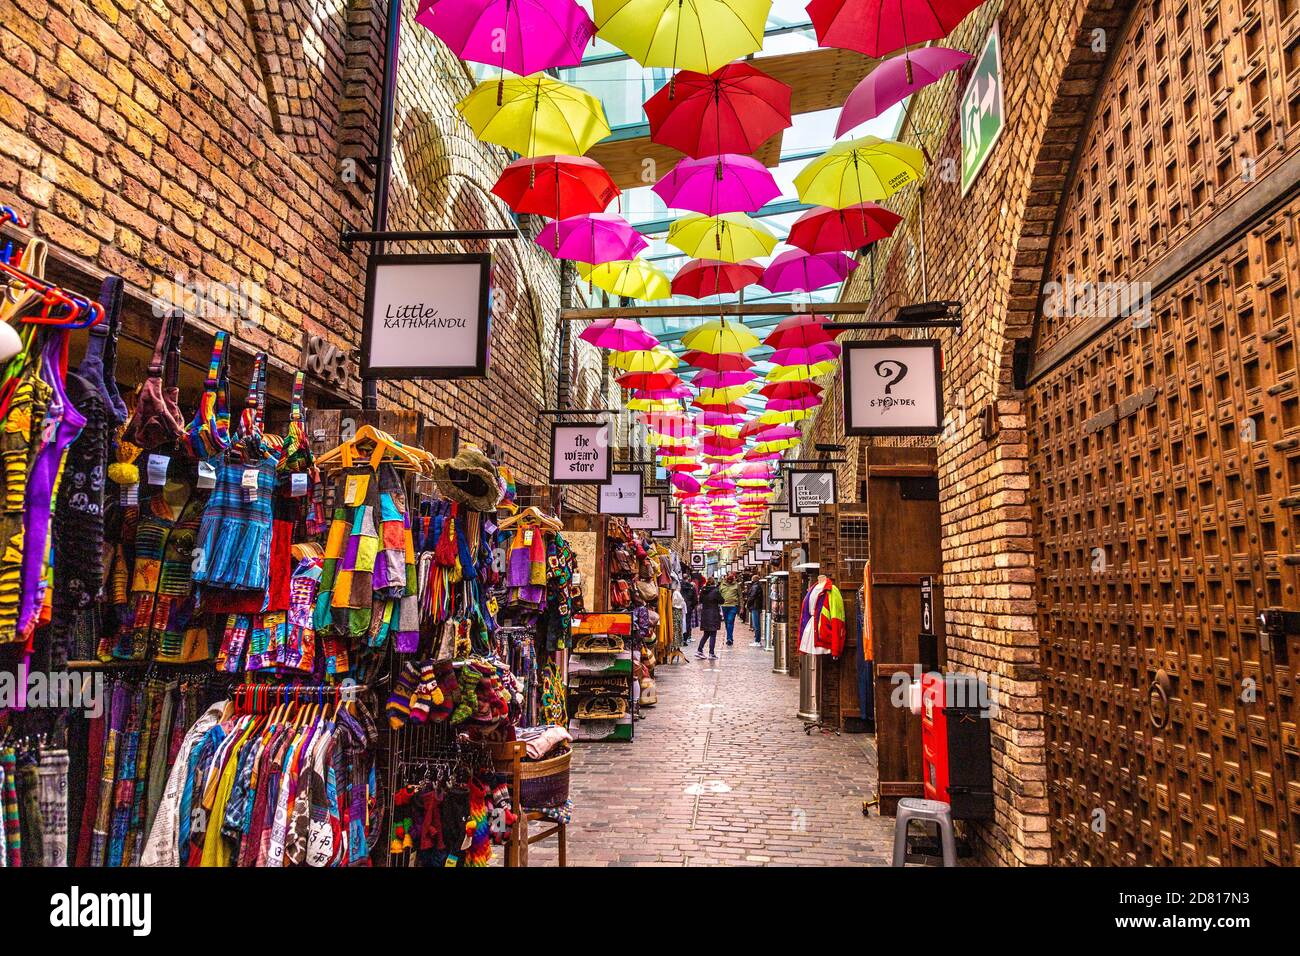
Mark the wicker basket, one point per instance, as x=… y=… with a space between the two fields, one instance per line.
x=542 y=783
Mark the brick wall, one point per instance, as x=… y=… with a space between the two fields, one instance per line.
x=988 y=250
x=223 y=141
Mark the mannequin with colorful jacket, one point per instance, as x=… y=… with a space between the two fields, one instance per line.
x=822 y=628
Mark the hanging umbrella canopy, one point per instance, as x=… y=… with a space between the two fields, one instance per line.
x=593 y=237
x=686 y=483
x=801 y=330
x=894 y=80
x=557 y=187
x=720 y=362
x=794 y=373
x=658 y=359
x=535 y=116
x=620 y=335
x=735 y=109
x=728 y=182
x=633 y=278
x=731 y=237
x=522 y=36
x=715 y=418
x=669 y=444
x=677 y=424
x=773 y=417
x=790 y=389
x=798 y=271
x=711 y=379
x=773 y=432
x=807 y=354
x=702 y=277
x=718 y=337
x=780 y=444
x=760 y=456
x=857 y=171
x=701 y=35
x=664 y=394
x=649 y=381
x=879 y=27
x=649 y=405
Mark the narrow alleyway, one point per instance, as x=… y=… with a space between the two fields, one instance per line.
x=721 y=773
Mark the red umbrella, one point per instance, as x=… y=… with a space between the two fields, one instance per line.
x=801 y=331
x=711 y=379
x=732 y=408
x=722 y=362
x=790 y=389
x=831 y=230
x=878 y=27
x=734 y=109
x=649 y=381
x=701 y=277
x=556 y=186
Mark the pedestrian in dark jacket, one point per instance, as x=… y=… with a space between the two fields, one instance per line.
x=710 y=618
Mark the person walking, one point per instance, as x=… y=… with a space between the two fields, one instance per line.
x=691 y=596
x=710 y=619
x=730 y=589
x=754 y=606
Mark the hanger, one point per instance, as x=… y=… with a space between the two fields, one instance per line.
x=383 y=447
x=532 y=514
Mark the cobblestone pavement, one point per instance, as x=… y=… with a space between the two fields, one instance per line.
x=721 y=773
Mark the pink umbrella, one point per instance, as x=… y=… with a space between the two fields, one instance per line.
x=665 y=394
x=776 y=433
x=722 y=418
x=728 y=182
x=796 y=270
x=752 y=455
x=618 y=335
x=807 y=354
x=709 y=379
x=522 y=36
x=686 y=483
x=594 y=237
x=894 y=80
x=793 y=404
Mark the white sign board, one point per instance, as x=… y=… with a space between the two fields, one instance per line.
x=809 y=490
x=426 y=316
x=622 y=496
x=651 y=516
x=893 y=388
x=580 y=454
x=784 y=526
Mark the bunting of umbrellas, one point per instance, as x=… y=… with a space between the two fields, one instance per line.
x=720 y=452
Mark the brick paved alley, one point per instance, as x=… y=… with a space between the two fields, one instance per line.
x=721 y=773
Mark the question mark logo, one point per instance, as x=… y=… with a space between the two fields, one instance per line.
x=885 y=371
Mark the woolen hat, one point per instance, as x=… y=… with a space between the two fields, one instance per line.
x=470 y=478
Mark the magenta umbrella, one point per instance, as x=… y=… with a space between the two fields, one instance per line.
x=711 y=379
x=712 y=419
x=793 y=404
x=666 y=394
x=807 y=354
x=686 y=483
x=618 y=335
x=522 y=36
x=894 y=80
x=797 y=271
x=713 y=185
x=595 y=237
x=774 y=433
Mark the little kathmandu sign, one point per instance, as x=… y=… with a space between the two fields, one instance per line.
x=427 y=316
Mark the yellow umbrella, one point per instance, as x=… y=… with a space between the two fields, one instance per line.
x=785 y=418
x=720 y=338
x=727 y=431
x=535 y=116
x=669 y=460
x=724 y=396
x=651 y=405
x=780 y=444
x=800 y=373
x=859 y=170
x=701 y=35
x=730 y=237
x=634 y=278
x=667 y=441
x=646 y=361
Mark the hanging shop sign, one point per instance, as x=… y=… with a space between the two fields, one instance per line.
x=427 y=316
x=651 y=516
x=699 y=560
x=783 y=526
x=982 y=111
x=893 y=388
x=809 y=490
x=622 y=496
x=768 y=547
x=667 y=527
x=580 y=454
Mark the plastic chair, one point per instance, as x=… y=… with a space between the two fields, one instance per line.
x=924 y=811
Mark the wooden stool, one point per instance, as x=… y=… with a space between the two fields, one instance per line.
x=557 y=830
